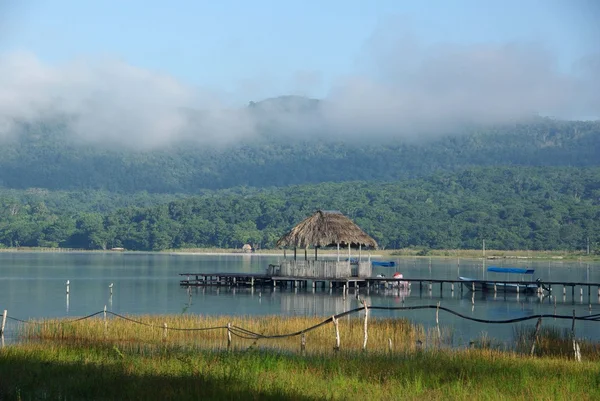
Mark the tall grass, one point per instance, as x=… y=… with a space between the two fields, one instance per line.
x=181 y=331
x=50 y=370
x=123 y=360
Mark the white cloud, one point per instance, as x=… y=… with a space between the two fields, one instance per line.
x=408 y=89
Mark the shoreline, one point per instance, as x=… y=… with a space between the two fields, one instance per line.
x=517 y=255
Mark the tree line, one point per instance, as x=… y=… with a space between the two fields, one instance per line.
x=555 y=208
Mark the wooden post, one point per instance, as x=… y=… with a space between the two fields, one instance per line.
x=390 y=345
x=305 y=253
x=4 y=314
x=302 y=343
x=295 y=253
x=366 y=334
x=105 y=321
x=315 y=252
x=228 y=335
x=576 y=351
x=359 y=251
x=338 y=252
x=165 y=330
x=337 y=334
x=437 y=321
x=535 y=335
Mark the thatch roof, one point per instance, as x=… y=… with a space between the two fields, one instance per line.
x=326 y=228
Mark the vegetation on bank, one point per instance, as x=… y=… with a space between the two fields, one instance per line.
x=86 y=360
x=99 y=371
x=509 y=208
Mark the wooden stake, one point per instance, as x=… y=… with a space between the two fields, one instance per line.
x=390 y=345
x=535 y=335
x=228 y=335
x=4 y=314
x=337 y=334
x=437 y=321
x=366 y=322
x=165 y=330
x=576 y=350
x=105 y=321
x=303 y=343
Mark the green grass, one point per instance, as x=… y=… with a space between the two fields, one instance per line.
x=102 y=371
x=85 y=360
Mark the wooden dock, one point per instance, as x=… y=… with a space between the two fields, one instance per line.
x=422 y=284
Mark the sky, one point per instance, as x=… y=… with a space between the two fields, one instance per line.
x=397 y=67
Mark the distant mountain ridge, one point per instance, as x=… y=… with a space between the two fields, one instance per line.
x=44 y=156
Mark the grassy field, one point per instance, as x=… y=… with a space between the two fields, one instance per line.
x=124 y=360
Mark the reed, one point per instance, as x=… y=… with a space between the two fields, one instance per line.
x=404 y=336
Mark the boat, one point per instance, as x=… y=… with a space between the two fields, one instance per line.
x=500 y=286
x=382 y=263
x=397 y=281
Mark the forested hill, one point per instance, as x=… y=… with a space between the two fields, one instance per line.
x=42 y=155
x=511 y=208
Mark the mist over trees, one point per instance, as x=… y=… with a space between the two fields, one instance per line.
x=46 y=155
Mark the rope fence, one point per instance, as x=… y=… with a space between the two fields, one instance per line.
x=243 y=333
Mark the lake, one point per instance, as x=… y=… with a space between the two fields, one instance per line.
x=32 y=285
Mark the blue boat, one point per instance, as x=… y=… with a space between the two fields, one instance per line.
x=519 y=270
x=390 y=263
x=480 y=285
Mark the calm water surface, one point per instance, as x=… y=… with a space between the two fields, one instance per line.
x=32 y=285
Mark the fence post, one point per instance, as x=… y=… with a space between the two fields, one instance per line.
x=302 y=343
x=576 y=349
x=535 y=335
x=337 y=334
x=3 y=322
x=105 y=321
x=165 y=330
x=366 y=334
x=228 y=335
x=390 y=345
x=437 y=321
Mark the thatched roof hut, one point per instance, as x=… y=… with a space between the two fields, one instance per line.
x=326 y=228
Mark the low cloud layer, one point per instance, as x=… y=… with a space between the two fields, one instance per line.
x=407 y=89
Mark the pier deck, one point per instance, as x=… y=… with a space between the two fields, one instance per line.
x=424 y=284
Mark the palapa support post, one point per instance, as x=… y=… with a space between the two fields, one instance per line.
x=228 y=336
x=535 y=335
x=337 y=334
x=576 y=350
x=4 y=314
x=366 y=334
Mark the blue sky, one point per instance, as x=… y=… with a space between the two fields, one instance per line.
x=407 y=67
x=222 y=43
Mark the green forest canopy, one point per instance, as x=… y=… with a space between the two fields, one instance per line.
x=510 y=207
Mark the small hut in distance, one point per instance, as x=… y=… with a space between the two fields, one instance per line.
x=326 y=229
